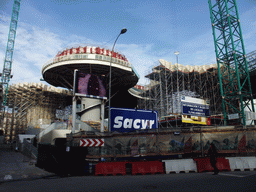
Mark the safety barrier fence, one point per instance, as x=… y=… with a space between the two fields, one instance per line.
x=176 y=166
x=147 y=167
x=58 y=159
x=242 y=163
x=180 y=166
x=110 y=168
x=204 y=165
x=120 y=168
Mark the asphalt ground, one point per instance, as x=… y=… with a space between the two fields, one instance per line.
x=18 y=173
x=225 y=181
x=15 y=166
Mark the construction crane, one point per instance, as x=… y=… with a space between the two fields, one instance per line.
x=234 y=77
x=7 y=68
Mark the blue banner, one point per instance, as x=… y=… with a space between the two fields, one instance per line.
x=128 y=120
x=195 y=109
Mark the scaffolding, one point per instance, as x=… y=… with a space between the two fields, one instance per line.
x=34 y=106
x=170 y=82
x=251 y=60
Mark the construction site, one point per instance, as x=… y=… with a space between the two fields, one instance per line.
x=168 y=83
x=62 y=116
x=36 y=105
x=32 y=107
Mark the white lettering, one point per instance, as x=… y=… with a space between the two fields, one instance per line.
x=151 y=123
x=128 y=123
x=135 y=124
x=118 y=122
x=144 y=124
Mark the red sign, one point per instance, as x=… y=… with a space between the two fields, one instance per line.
x=92 y=50
x=91 y=142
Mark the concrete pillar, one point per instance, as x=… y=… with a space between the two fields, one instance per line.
x=91 y=108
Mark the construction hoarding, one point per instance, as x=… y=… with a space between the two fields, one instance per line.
x=155 y=143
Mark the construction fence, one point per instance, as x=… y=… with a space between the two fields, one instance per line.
x=229 y=142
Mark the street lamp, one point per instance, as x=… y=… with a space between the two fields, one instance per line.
x=110 y=76
x=178 y=90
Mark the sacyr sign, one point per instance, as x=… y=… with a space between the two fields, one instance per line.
x=128 y=120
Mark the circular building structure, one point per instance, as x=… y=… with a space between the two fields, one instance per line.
x=93 y=65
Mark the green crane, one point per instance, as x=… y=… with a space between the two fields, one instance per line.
x=233 y=70
x=7 y=68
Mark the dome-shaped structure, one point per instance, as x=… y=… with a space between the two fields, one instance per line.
x=94 y=60
x=93 y=64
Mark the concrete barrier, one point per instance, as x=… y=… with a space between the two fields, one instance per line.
x=180 y=166
x=242 y=163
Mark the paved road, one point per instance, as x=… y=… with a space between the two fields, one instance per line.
x=226 y=181
x=15 y=166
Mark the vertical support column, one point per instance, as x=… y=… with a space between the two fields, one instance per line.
x=73 y=115
x=7 y=120
x=161 y=94
x=74 y=104
x=102 y=116
x=172 y=93
x=166 y=92
x=13 y=114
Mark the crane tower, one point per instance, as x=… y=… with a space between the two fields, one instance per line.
x=6 y=74
x=235 y=85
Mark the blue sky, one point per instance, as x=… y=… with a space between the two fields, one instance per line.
x=155 y=30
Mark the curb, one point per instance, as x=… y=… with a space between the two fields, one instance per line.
x=24 y=177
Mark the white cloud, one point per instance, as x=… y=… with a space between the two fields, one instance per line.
x=33 y=47
x=248 y=25
x=23 y=72
x=36 y=45
x=139 y=56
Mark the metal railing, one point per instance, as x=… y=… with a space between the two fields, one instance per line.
x=76 y=57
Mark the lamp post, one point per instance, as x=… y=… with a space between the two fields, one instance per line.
x=178 y=90
x=110 y=76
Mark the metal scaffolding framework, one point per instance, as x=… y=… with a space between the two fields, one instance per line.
x=34 y=106
x=168 y=83
x=235 y=85
x=251 y=60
